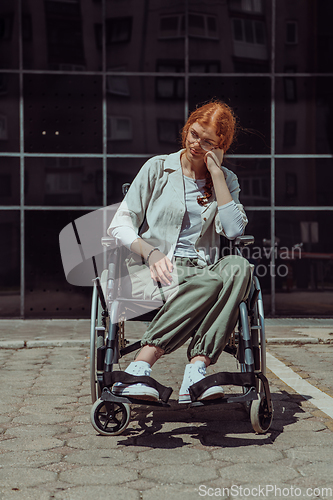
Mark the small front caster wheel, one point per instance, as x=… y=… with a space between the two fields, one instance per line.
x=110 y=419
x=261 y=417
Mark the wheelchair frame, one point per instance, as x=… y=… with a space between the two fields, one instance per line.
x=110 y=414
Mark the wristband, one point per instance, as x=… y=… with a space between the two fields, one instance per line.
x=151 y=251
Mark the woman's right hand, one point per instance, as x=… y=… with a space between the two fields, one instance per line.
x=160 y=268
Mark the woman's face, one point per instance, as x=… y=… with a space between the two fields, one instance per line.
x=199 y=140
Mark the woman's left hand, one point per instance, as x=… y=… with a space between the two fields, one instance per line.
x=213 y=159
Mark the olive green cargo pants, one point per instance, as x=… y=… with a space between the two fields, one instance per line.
x=201 y=302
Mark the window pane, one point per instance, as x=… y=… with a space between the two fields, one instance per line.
x=47 y=293
x=9 y=112
x=61 y=38
x=307 y=104
x=133 y=121
x=238 y=29
x=62 y=181
x=9 y=36
x=63 y=114
x=10 y=264
x=140 y=33
x=304 y=182
x=248 y=29
x=244 y=36
x=304 y=36
x=254 y=180
x=9 y=181
x=259 y=227
x=249 y=98
x=121 y=171
x=304 y=273
x=259 y=33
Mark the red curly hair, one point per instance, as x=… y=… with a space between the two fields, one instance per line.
x=219 y=115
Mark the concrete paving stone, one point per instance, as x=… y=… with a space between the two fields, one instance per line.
x=185 y=474
x=84 y=408
x=262 y=454
x=29 y=458
x=4 y=419
x=16 y=382
x=275 y=490
x=85 y=399
x=101 y=457
x=174 y=492
x=45 y=418
x=302 y=425
x=311 y=453
x=235 y=440
x=11 y=406
x=322 y=471
x=21 y=360
x=59 y=467
x=37 y=409
x=141 y=485
x=91 y=475
x=95 y=441
x=100 y=492
x=38 y=389
x=138 y=466
x=48 y=400
x=82 y=418
x=313 y=481
x=254 y=473
x=24 y=494
x=24 y=477
x=287 y=440
x=57 y=380
x=171 y=439
x=82 y=429
x=175 y=456
x=233 y=426
x=34 y=431
x=17 y=444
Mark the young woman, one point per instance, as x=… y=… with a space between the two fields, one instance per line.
x=171 y=220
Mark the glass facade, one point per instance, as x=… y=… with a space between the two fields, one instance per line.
x=90 y=89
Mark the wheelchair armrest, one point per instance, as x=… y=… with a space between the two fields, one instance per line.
x=108 y=241
x=243 y=241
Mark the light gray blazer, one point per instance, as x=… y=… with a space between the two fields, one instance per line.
x=154 y=207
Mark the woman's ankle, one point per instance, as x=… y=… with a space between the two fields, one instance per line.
x=201 y=357
x=150 y=354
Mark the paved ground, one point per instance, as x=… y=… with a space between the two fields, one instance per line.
x=49 y=449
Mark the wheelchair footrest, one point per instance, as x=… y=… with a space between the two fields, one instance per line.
x=110 y=378
x=107 y=395
x=250 y=395
x=246 y=379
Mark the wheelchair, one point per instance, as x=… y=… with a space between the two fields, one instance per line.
x=110 y=414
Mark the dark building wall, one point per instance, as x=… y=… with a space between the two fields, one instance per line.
x=90 y=89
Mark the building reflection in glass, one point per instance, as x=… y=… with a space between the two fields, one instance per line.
x=98 y=86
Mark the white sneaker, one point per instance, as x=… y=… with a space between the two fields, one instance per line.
x=194 y=372
x=138 y=391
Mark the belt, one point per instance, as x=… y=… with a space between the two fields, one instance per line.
x=187 y=261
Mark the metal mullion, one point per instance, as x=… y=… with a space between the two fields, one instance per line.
x=272 y=215
x=105 y=124
x=104 y=106
x=21 y=125
x=155 y=73
x=296 y=156
x=262 y=208
x=45 y=208
x=187 y=63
